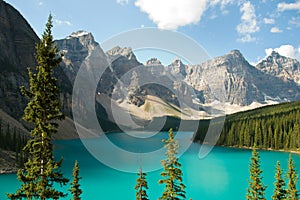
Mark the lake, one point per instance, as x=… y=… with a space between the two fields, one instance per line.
x=222 y=174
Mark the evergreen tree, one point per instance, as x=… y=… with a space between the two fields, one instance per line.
x=292 y=192
x=279 y=190
x=256 y=189
x=43 y=110
x=141 y=186
x=275 y=127
x=75 y=186
x=172 y=174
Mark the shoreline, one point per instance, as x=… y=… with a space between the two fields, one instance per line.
x=263 y=149
x=8 y=171
x=11 y=170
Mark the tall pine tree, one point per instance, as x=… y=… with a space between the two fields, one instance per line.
x=172 y=174
x=279 y=190
x=75 y=186
x=141 y=186
x=41 y=171
x=256 y=189
x=292 y=192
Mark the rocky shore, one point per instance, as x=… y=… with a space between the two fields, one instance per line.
x=7 y=162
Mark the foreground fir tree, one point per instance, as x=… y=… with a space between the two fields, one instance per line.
x=292 y=192
x=141 y=186
x=256 y=189
x=41 y=174
x=75 y=186
x=172 y=174
x=279 y=190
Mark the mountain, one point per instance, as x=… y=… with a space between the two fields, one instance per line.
x=144 y=91
x=76 y=48
x=17 y=47
x=17 y=50
x=282 y=67
x=153 y=61
x=230 y=78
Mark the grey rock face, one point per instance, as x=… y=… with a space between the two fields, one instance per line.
x=122 y=61
x=76 y=49
x=287 y=69
x=177 y=67
x=17 y=50
x=153 y=61
x=117 y=52
x=17 y=47
x=232 y=79
x=229 y=78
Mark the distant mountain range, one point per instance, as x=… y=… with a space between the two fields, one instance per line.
x=227 y=82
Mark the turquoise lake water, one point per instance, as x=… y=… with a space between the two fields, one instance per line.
x=222 y=174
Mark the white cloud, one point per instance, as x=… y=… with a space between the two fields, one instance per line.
x=289 y=6
x=275 y=30
x=171 y=14
x=286 y=50
x=213 y=16
x=269 y=21
x=295 y=21
x=222 y=3
x=122 y=2
x=63 y=22
x=246 y=38
x=248 y=23
x=225 y=12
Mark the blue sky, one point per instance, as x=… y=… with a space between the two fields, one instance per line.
x=253 y=27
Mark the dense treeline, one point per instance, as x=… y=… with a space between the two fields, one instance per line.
x=13 y=139
x=276 y=127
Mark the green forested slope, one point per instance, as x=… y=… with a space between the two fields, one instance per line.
x=276 y=127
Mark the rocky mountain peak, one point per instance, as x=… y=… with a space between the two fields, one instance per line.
x=79 y=33
x=118 y=51
x=84 y=37
x=236 y=53
x=153 y=61
x=281 y=66
x=275 y=54
x=77 y=47
x=178 y=67
x=233 y=61
x=176 y=61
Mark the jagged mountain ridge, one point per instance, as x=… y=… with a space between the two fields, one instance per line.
x=285 y=68
x=229 y=78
